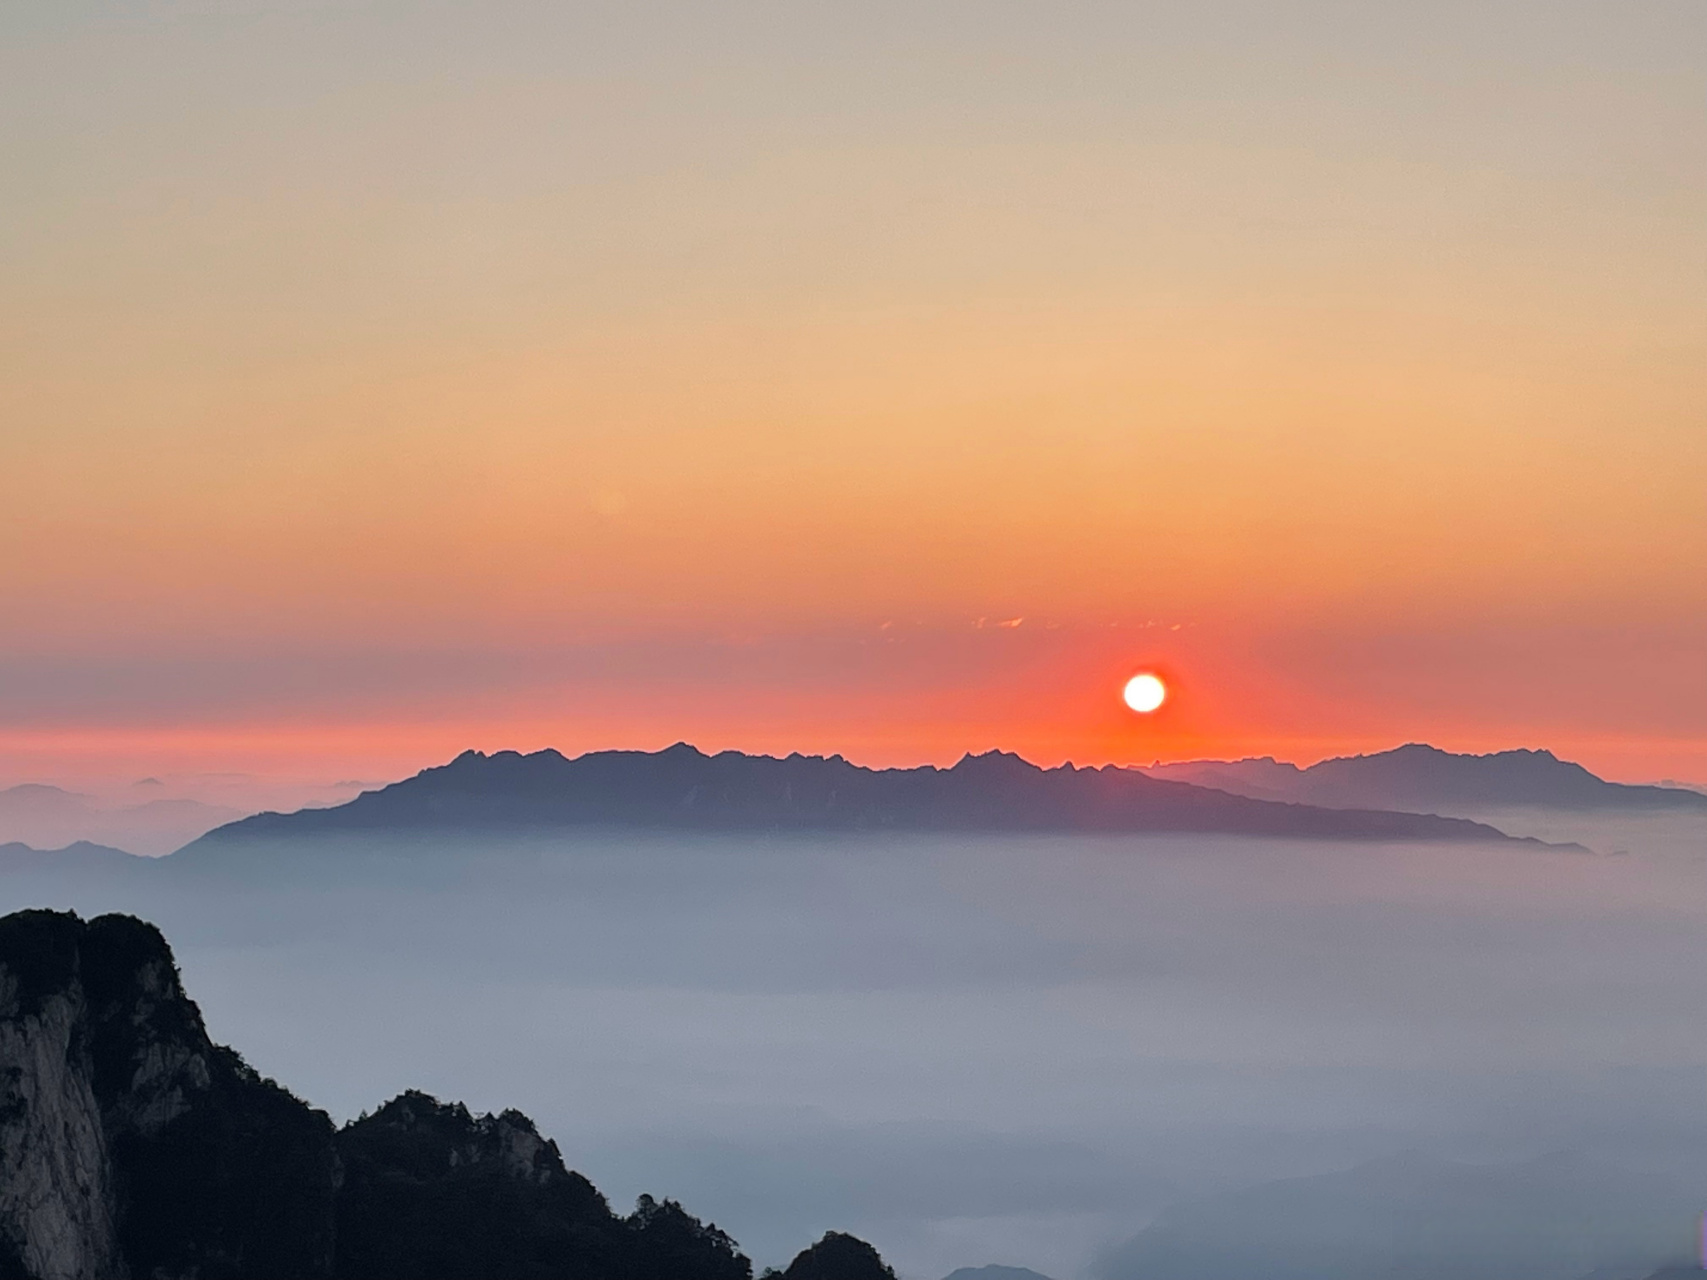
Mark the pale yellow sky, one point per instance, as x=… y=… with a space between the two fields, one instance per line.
x=467 y=341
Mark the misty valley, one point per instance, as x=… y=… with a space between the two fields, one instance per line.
x=1191 y=1056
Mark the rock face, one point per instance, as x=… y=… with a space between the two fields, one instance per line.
x=57 y=1200
x=132 y=1146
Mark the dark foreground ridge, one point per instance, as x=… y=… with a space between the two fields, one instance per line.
x=131 y=1145
x=682 y=788
x=1420 y=777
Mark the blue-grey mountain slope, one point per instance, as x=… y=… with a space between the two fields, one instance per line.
x=16 y=856
x=1422 y=778
x=1560 y=1217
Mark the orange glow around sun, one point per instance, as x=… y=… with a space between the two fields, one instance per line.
x=350 y=427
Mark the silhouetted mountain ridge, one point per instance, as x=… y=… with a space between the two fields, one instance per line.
x=1418 y=776
x=995 y=1273
x=682 y=788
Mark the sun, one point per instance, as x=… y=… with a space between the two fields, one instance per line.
x=1145 y=692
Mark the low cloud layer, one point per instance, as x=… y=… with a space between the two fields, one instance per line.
x=970 y=1050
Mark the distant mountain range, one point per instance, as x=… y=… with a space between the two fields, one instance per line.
x=46 y=816
x=1414 y=1215
x=682 y=788
x=1422 y=778
x=83 y=854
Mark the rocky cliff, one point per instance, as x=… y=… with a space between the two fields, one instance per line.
x=132 y=1146
x=57 y=1200
x=129 y=1142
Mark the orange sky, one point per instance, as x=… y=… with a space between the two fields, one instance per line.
x=387 y=379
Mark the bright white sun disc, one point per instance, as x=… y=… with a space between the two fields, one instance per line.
x=1145 y=692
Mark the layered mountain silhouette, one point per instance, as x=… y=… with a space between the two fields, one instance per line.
x=16 y=855
x=1414 y=1215
x=682 y=788
x=131 y=1145
x=46 y=816
x=1424 y=778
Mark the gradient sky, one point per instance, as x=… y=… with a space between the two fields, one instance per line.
x=381 y=379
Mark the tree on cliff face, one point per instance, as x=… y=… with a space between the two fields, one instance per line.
x=837 y=1257
x=434 y=1193
x=669 y=1241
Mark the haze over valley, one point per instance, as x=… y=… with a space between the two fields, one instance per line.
x=971 y=1046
